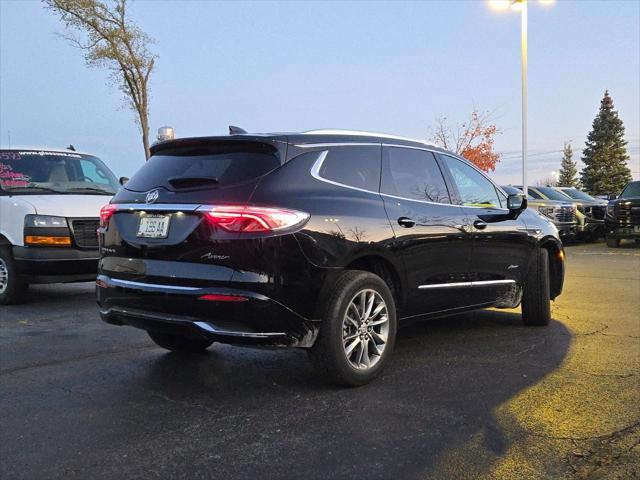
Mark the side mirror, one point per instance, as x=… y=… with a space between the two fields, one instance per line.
x=123 y=180
x=612 y=196
x=516 y=202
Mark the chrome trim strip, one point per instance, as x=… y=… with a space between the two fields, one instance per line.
x=337 y=144
x=366 y=144
x=362 y=133
x=479 y=283
x=186 y=320
x=130 y=284
x=445 y=285
x=208 y=328
x=169 y=207
x=492 y=282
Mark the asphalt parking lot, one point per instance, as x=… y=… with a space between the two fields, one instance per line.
x=472 y=396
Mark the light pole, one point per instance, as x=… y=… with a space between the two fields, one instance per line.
x=521 y=5
x=523 y=52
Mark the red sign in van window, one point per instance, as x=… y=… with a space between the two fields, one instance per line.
x=9 y=178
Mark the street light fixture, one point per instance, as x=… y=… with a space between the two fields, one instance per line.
x=521 y=6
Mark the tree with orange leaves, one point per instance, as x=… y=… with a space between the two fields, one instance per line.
x=472 y=139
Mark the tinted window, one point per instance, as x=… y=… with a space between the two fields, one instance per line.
x=577 y=194
x=534 y=194
x=475 y=190
x=413 y=174
x=354 y=166
x=553 y=194
x=211 y=165
x=631 y=190
x=44 y=172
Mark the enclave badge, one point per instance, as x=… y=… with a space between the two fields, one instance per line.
x=152 y=196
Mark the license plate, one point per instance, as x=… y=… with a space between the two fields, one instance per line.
x=153 y=226
x=636 y=228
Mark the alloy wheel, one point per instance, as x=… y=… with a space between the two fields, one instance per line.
x=4 y=276
x=365 y=329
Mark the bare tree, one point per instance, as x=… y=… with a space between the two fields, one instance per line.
x=547 y=182
x=472 y=139
x=109 y=39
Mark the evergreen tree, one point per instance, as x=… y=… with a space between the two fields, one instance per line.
x=568 y=168
x=605 y=156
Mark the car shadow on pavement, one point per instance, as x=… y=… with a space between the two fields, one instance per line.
x=56 y=295
x=265 y=414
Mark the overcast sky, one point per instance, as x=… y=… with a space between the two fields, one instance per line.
x=294 y=66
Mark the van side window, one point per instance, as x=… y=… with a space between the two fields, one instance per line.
x=474 y=189
x=353 y=166
x=413 y=174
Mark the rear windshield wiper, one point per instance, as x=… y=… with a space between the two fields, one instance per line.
x=188 y=182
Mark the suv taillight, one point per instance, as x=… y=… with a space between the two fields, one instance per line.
x=106 y=213
x=253 y=219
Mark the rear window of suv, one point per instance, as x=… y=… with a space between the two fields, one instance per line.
x=208 y=165
x=357 y=166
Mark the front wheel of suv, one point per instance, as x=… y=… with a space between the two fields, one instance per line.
x=536 y=301
x=179 y=343
x=358 y=332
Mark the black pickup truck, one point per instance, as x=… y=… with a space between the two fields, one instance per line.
x=622 y=219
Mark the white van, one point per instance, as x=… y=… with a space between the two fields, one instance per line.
x=50 y=202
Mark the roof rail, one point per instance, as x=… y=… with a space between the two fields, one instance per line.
x=337 y=131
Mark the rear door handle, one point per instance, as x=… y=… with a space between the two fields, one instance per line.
x=406 y=222
x=479 y=224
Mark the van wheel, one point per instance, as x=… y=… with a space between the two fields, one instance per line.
x=12 y=289
x=358 y=329
x=536 y=301
x=613 y=242
x=179 y=343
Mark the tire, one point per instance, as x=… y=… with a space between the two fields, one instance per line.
x=179 y=343
x=613 y=242
x=12 y=288
x=536 y=301
x=329 y=353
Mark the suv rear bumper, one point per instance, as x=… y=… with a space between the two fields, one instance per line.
x=56 y=264
x=259 y=320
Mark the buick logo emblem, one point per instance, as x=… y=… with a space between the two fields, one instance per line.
x=152 y=196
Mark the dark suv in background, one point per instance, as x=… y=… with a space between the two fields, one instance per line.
x=326 y=240
x=622 y=220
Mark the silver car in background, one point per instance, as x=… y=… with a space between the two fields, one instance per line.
x=591 y=212
x=561 y=213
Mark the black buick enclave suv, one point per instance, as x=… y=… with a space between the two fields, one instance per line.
x=326 y=240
